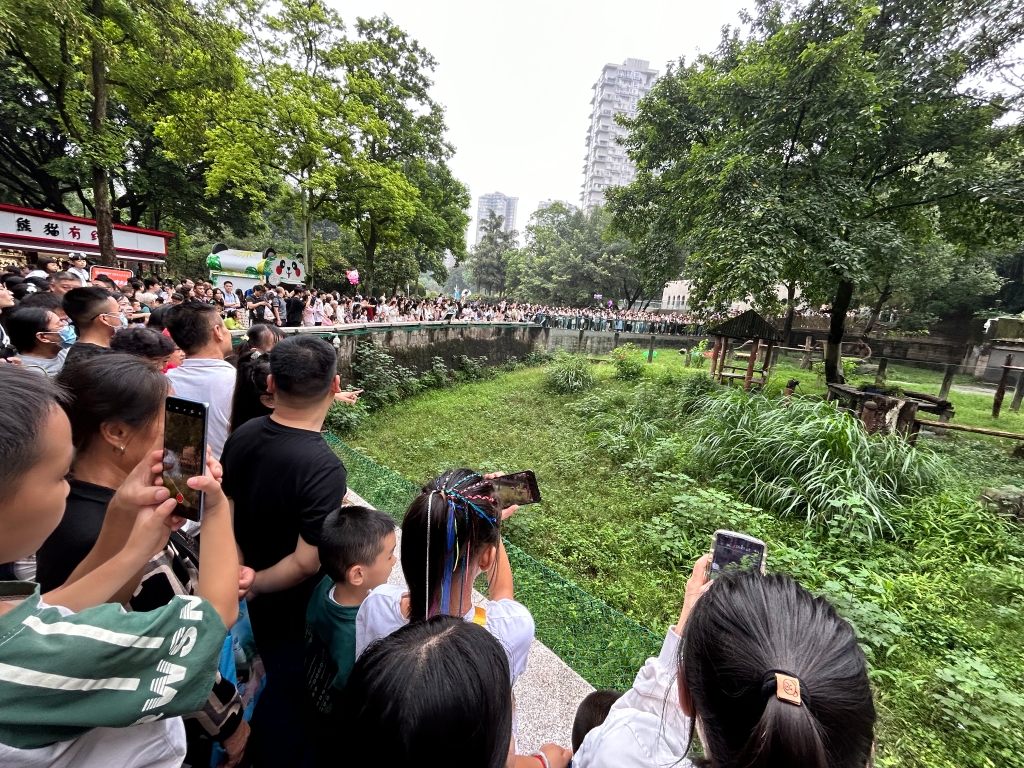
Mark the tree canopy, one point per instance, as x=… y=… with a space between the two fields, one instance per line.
x=835 y=140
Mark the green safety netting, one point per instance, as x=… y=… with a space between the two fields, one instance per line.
x=604 y=646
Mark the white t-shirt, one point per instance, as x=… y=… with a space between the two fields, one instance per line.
x=510 y=622
x=646 y=728
x=48 y=366
x=208 y=381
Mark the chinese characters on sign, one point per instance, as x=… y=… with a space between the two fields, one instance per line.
x=39 y=228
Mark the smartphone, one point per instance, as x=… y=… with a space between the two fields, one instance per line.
x=184 y=453
x=736 y=550
x=517 y=488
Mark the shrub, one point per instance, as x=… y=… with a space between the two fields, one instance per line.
x=472 y=368
x=629 y=362
x=569 y=374
x=343 y=419
x=439 y=375
x=808 y=458
x=537 y=357
x=381 y=377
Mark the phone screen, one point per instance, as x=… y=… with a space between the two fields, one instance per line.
x=184 y=453
x=517 y=488
x=735 y=552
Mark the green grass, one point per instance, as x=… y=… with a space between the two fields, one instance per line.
x=938 y=602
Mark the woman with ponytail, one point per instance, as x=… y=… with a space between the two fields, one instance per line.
x=450 y=535
x=766 y=674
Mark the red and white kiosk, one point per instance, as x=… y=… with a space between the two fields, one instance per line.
x=45 y=233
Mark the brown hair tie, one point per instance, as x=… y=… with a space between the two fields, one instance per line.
x=785 y=686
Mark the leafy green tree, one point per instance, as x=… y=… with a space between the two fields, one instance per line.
x=487 y=266
x=834 y=139
x=397 y=193
x=104 y=73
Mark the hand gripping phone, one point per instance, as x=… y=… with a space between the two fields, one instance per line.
x=736 y=550
x=518 y=488
x=185 y=423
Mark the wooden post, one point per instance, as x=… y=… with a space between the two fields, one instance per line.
x=686 y=355
x=997 y=401
x=805 y=361
x=1018 y=393
x=714 y=355
x=579 y=345
x=615 y=340
x=947 y=381
x=650 y=351
x=750 y=366
x=883 y=364
x=723 y=357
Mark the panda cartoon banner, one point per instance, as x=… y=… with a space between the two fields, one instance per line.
x=267 y=266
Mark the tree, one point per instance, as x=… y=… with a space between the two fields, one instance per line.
x=837 y=138
x=398 y=192
x=572 y=255
x=98 y=77
x=487 y=267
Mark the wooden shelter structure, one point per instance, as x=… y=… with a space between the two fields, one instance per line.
x=748 y=326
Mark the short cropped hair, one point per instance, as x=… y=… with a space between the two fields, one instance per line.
x=84 y=304
x=26 y=401
x=303 y=367
x=141 y=341
x=352 y=536
x=592 y=712
x=191 y=325
x=46 y=300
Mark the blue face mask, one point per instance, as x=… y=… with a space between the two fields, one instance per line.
x=68 y=335
x=124 y=320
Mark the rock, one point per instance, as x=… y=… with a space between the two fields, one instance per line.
x=1007 y=502
x=867 y=369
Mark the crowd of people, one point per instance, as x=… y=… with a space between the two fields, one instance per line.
x=267 y=632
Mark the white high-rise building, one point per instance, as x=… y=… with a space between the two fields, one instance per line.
x=548 y=203
x=502 y=205
x=616 y=92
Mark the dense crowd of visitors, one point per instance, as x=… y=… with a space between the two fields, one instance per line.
x=267 y=633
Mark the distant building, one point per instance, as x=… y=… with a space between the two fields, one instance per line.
x=548 y=203
x=616 y=92
x=502 y=205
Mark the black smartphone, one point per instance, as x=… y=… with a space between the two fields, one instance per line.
x=184 y=453
x=736 y=550
x=517 y=488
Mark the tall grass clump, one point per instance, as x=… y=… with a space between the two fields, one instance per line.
x=569 y=374
x=805 y=457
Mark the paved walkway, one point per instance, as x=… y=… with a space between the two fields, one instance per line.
x=547 y=694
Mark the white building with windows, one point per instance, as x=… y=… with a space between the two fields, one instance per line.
x=543 y=204
x=502 y=205
x=616 y=92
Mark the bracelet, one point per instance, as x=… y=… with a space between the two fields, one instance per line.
x=542 y=757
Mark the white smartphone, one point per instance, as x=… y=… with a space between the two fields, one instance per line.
x=736 y=550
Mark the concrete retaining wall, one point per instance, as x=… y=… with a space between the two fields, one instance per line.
x=603 y=342
x=415 y=345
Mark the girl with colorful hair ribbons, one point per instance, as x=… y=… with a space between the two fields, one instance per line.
x=450 y=535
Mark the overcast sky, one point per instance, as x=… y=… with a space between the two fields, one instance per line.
x=515 y=77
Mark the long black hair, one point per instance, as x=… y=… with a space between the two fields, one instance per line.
x=434 y=692
x=250 y=386
x=111 y=388
x=741 y=632
x=453 y=520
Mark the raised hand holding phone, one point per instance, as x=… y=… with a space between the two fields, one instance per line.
x=185 y=448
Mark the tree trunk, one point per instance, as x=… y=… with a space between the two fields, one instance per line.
x=877 y=309
x=787 y=329
x=370 y=251
x=307 y=236
x=100 y=180
x=837 y=326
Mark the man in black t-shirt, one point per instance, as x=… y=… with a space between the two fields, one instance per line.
x=284 y=480
x=293 y=308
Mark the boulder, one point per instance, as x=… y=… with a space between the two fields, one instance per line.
x=1007 y=502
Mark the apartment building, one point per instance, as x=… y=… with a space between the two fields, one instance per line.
x=502 y=205
x=616 y=92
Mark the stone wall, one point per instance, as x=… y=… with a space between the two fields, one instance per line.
x=415 y=345
x=603 y=342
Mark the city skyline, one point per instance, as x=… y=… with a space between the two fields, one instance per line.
x=524 y=133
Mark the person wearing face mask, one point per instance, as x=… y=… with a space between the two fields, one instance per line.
x=39 y=336
x=96 y=317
